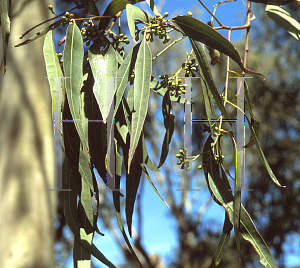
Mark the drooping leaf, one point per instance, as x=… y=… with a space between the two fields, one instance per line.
x=143 y=68
x=223 y=242
x=53 y=68
x=124 y=73
x=255 y=126
x=133 y=14
x=169 y=126
x=222 y=195
x=205 y=34
x=5 y=29
x=150 y=181
x=132 y=184
x=69 y=203
x=73 y=58
x=207 y=76
x=262 y=156
x=90 y=6
x=117 y=206
x=284 y=20
x=104 y=67
x=40 y=33
x=273 y=2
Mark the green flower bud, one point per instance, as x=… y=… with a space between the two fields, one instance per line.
x=188 y=168
x=166 y=14
x=179 y=162
x=85 y=23
x=67 y=14
x=50 y=7
x=181 y=151
x=190 y=14
x=200 y=167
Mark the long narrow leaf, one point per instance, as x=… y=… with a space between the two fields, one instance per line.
x=5 y=28
x=143 y=68
x=205 y=34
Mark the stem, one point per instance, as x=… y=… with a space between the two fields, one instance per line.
x=211 y=13
x=247 y=34
x=168 y=47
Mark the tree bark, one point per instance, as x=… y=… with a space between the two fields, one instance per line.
x=27 y=210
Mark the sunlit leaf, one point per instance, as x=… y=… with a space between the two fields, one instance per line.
x=73 y=58
x=53 y=68
x=284 y=20
x=143 y=68
x=205 y=34
x=133 y=14
x=104 y=67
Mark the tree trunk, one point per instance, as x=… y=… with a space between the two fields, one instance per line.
x=27 y=210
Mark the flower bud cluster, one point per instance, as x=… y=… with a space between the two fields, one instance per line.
x=90 y=32
x=175 y=87
x=190 y=67
x=156 y=27
x=183 y=162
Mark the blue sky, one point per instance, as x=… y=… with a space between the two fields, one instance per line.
x=159 y=234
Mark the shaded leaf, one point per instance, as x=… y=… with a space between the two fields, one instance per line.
x=205 y=34
x=169 y=126
x=40 y=33
x=208 y=78
x=69 y=203
x=222 y=195
x=255 y=126
x=5 y=29
x=152 y=6
x=284 y=20
x=143 y=68
x=262 y=156
x=273 y=2
x=114 y=8
x=90 y=6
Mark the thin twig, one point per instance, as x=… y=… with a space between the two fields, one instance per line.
x=211 y=13
x=247 y=34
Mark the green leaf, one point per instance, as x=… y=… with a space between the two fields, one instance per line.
x=262 y=156
x=5 y=28
x=169 y=126
x=143 y=67
x=132 y=184
x=117 y=206
x=284 y=20
x=81 y=258
x=90 y=6
x=53 y=68
x=207 y=76
x=151 y=4
x=223 y=242
x=255 y=126
x=73 y=59
x=150 y=181
x=124 y=73
x=133 y=14
x=40 y=33
x=273 y=2
x=69 y=203
x=222 y=195
x=114 y=8
x=104 y=66
x=205 y=34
